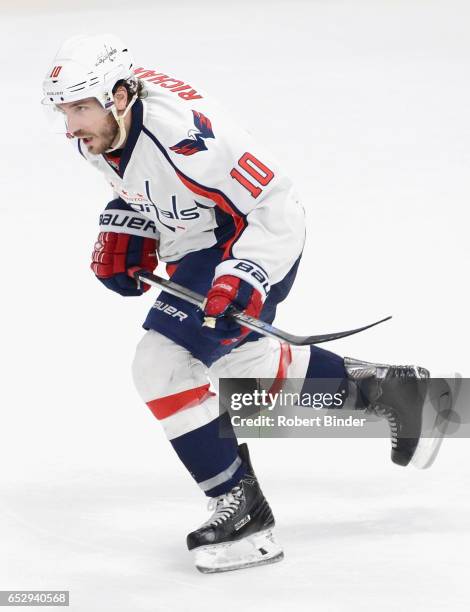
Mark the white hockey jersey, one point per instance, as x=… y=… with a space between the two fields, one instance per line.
x=193 y=179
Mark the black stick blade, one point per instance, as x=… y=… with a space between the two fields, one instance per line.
x=269 y=330
x=266 y=329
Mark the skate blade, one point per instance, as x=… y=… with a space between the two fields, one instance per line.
x=257 y=549
x=438 y=404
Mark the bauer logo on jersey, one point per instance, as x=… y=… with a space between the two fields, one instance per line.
x=122 y=222
x=195 y=142
x=171 y=311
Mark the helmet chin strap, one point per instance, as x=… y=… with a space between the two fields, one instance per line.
x=122 y=127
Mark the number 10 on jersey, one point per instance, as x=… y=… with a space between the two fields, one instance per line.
x=260 y=173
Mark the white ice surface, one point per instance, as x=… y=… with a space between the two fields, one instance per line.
x=367 y=104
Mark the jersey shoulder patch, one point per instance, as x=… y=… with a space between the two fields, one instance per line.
x=196 y=137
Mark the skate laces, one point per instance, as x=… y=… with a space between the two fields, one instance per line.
x=389 y=414
x=225 y=506
x=405 y=373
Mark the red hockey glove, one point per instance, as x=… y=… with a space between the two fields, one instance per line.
x=228 y=290
x=115 y=254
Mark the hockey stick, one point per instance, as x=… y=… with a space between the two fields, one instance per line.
x=256 y=325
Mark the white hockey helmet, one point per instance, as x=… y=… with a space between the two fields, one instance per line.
x=87 y=66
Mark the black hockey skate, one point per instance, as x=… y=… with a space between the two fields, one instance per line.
x=240 y=532
x=398 y=394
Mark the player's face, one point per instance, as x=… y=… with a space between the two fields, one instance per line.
x=86 y=119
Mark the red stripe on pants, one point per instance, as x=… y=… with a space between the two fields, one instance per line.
x=166 y=406
x=285 y=359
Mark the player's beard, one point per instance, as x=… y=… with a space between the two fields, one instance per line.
x=104 y=138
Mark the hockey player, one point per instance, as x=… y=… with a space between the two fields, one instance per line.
x=195 y=190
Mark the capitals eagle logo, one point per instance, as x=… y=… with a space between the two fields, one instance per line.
x=195 y=142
